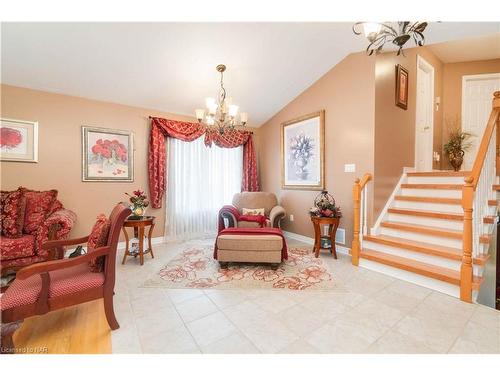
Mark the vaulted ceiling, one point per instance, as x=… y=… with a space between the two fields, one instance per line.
x=171 y=66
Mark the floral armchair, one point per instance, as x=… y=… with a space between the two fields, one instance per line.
x=28 y=219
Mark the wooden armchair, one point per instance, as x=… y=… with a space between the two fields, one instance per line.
x=48 y=286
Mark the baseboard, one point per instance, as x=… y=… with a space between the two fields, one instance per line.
x=154 y=241
x=310 y=241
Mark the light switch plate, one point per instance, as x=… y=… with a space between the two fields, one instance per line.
x=350 y=168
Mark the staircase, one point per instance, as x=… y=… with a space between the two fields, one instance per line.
x=436 y=228
x=419 y=235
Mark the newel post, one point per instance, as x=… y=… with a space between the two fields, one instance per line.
x=466 y=267
x=355 y=247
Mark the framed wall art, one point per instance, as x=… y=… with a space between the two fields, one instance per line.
x=303 y=152
x=18 y=140
x=401 y=87
x=107 y=155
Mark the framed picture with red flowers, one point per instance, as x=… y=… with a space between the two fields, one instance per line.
x=108 y=155
x=18 y=140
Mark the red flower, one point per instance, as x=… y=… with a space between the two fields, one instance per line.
x=110 y=149
x=314 y=274
x=202 y=283
x=292 y=282
x=10 y=138
x=265 y=274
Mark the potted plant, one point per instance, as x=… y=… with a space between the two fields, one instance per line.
x=139 y=203
x=458 y=143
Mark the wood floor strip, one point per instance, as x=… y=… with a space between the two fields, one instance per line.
x=81 y=329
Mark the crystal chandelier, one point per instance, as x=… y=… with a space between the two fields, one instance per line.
x=221 y=114
x=378 y=34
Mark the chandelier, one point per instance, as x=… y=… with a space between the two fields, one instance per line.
x=378 y=34
x=221 y=114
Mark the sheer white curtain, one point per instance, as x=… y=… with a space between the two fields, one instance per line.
x=200 y=181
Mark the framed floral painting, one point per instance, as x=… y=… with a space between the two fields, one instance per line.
x=302 y=152
x=18 y=140
x=401 y=87
x=108 y=155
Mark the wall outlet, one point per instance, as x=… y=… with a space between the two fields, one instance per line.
x=291 y=217
x=350 y=168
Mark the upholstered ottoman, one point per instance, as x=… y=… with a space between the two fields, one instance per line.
x=250 y=245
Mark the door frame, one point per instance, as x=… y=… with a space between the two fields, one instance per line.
x=425 y=66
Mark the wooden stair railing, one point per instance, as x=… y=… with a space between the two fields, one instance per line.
x=473 y=197
x=359 y=197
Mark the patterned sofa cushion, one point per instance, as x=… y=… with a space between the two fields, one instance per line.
x=12 y=211
x=38 y=207
x=20 y=247
x=98 y=238
x=62 y=282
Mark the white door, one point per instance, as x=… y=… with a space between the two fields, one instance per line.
x=477 y=94
x=424 y=122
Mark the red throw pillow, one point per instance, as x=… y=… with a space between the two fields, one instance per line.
x=56 y=206
x=12 y=211
x=38 y=204
x=98 y=238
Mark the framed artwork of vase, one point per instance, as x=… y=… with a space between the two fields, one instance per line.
x=18 y=140
x=401 y=87
x=303 y=152
x=107 y=155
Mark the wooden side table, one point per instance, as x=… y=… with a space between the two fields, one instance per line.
x=139 y=226
x=333 y=224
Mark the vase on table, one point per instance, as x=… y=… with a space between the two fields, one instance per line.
x=138 y=211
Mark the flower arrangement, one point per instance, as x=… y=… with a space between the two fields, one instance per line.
x=110 y=151
x=458 y=143
x=324 y=206
x=10 y=138
x=301 y=148
x=139 y=202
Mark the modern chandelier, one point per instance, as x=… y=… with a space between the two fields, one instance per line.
x=221 y=114
x=397 y=33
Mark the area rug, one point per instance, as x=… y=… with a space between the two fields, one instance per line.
x=196 y=268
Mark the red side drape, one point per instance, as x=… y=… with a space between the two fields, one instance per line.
x=250 y=181
x=188 y=131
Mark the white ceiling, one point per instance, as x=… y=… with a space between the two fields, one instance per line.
x=471 y=49
x=171 y=66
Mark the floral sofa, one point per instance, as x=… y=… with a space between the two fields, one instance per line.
x=27 y=219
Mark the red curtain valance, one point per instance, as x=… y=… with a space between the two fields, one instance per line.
x=189 y=131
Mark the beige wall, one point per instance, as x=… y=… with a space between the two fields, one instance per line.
x=60 y=118
x=394 y=126
x=346 y=93
x=452 y=89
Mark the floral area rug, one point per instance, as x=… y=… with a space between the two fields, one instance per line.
x=196 y=268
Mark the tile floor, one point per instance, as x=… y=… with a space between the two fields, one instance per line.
x=372 y=313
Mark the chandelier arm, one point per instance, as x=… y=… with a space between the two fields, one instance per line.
x=354 y=28
x=376 y=44
x=390 y=30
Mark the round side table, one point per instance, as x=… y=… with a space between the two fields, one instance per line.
x=139 y=226
x=333 y=224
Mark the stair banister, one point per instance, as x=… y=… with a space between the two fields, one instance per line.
x=359 y=195
x=475 y=194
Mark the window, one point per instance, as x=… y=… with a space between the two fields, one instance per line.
x=200 y=181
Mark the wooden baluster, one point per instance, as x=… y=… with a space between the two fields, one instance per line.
x=466 y=267
x=355 y=247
